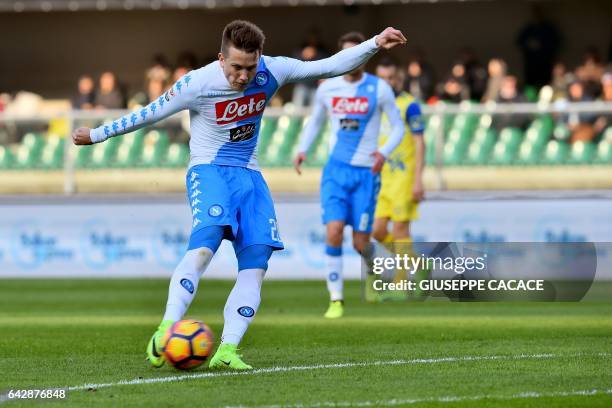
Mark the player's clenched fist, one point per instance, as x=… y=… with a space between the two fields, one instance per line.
x=81 y=136
x=389 y=38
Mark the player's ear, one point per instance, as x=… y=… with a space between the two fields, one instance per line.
x=221 y=59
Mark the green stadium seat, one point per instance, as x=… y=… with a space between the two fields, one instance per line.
x=581 y=153
x=34 y=142
x=268 y=126
x=453 y=154
x=604 y=153
x=178 y=155
x=607 y=135
x=477 y=153
x=83 y=155
x=511 y=136
x=529 y=153
x=52 y=155
x=537 y=136
x=6 y=157
x=562 y=132
x=503 y=154
x=485 y=121
x=555 y=153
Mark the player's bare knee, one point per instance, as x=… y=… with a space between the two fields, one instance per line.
x=379 y=232
x=334 y=234
x=401 y=230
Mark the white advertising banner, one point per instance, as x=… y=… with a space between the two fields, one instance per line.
x=148 y=239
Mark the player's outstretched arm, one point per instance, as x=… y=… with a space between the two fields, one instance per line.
x=183 y=95
x=311 y=130
x=293 y=70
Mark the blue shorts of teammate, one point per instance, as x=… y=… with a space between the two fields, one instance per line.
x=348 y=193
x=236 y=198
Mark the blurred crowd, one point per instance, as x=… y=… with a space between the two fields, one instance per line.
x=108 y=93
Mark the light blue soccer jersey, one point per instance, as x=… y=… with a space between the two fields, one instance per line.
x=355 y=110
x=225 y=123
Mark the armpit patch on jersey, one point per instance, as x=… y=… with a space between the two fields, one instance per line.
x=242 y=132
x=349 y=124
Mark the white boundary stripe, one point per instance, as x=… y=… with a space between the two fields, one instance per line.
x=394 y=402
x=212 y=374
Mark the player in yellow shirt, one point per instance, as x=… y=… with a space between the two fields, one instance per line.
x=402 y=175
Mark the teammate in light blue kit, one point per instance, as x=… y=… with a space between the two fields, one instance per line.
x=228 y=196
x=351 y=178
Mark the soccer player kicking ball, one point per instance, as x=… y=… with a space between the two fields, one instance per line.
x=402 y=174
x=229 y=198
x=350 y=181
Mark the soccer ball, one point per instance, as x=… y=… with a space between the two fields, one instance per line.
x=187 y=344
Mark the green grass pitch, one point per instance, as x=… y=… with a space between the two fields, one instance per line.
x=68 y=333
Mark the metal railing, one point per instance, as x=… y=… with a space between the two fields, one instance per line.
x=441 y=110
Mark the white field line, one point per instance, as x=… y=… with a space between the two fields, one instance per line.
x=395 y=402
x=213 y=374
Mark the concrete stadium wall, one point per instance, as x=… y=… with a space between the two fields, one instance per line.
x=46 y=52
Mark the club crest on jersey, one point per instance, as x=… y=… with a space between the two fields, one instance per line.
x=215 y=210
x=239 y=109
x=350 y=105
x=261 y=78
x=242 y=132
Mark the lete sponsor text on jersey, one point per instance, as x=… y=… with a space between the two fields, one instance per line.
x=350 y=105
x=235 y=110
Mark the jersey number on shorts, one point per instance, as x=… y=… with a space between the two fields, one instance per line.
x=274 y=230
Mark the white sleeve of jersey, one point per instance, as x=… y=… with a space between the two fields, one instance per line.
x=287 y=70
x=387 y=99
x=316 y=121
x=183 y=95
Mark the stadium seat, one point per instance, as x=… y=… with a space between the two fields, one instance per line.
x=156 y=144
x=178 y=155
x=268 y=126
x=511 y=136
x=503 y=153
x=453 y=154
x=604 y=153
x=6 y=157
x=529 y=153
x=82 y=156
x=581 y=153
x=555 y=153
x=562 y=132
x=607 y=135
x=52 y=155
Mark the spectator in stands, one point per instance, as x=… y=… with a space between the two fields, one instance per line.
x=186 y=62
x=497 y=71
x=452 y=91
x=579 y=124
x=509 y=93
x=84 y=99
x=475 y=74
x=560 y=81
x=159 y=70
x=604 y=121
x=303 y=92
x=539 y=42
x=418 y=82
x=109 y=95
x=590 y=72
x=459 y=73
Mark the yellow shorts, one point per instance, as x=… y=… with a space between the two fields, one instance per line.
x=395 y=198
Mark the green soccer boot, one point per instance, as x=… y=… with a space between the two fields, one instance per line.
x=154 y=348
x=335 y=310
x=227 y=357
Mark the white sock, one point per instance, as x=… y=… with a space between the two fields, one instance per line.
x=334 y=277
x=242 y=304
x=184 y=282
